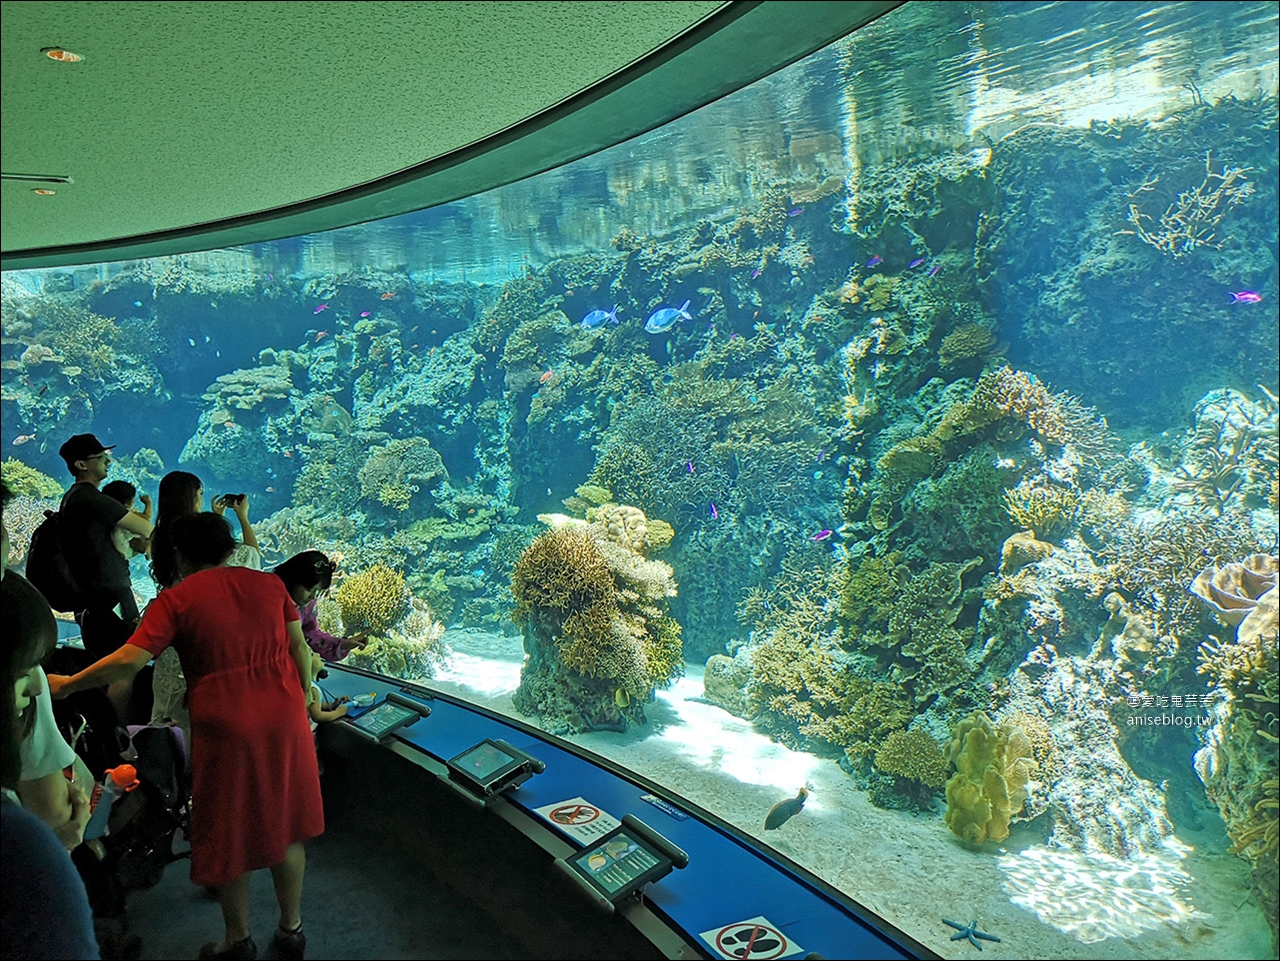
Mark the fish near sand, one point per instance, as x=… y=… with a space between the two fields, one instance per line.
x=663 y=319
x=597 y=318
x=784 y=811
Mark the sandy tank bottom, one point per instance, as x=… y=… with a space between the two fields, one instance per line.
x=1042 y=902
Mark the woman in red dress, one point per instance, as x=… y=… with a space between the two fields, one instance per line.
x=255 y=785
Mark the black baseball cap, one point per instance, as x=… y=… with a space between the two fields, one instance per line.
x=82 y=447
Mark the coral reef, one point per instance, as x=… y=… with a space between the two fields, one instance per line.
x=989 y=788
x=22 y=516
x=24 y=481
x=1048 y=512
x=411 y=650
x=372 y=600
x=596 y=628
x=1192 y=219
x=913 y=755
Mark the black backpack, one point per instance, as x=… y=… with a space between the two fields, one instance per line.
x=47 y=567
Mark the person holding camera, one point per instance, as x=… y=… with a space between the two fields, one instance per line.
x=182 y=494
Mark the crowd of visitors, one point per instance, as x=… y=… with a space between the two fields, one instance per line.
x=236 y=654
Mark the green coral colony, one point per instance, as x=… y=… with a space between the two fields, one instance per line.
x=1036 y=634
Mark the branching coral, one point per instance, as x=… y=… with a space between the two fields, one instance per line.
x=372 y=600
x=411 y=650
x=22 y=516
x=913 y=755
x=1050 y=512
x=1191 y=220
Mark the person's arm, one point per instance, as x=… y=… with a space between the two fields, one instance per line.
x=135 y=524
x=145 y=513
x=246 y=529
x=319 y=713
x=119 y=665
x=301 y=655
x=59 y=803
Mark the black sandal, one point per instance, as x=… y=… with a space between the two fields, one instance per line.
x=289 y=945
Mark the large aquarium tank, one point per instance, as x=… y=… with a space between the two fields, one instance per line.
x=898 y=434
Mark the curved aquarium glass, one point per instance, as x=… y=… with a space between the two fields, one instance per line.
x=902 y=429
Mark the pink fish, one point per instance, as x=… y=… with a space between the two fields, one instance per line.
x=320 y=308
x=822 y=535
x=1245 y=297
x=757 y=272
x=875 y=261
x=22 y=439
x=365 y=313
x=715 y=514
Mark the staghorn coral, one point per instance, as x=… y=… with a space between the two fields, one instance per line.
x=372 y=600
x=1231 y=454
x=1049 y=512
x=27 y=481
x=1191 y=220
x=993 y=765
x=913 y=755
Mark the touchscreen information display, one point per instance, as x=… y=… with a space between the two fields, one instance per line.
x=382 y=718
x=616 y=863
x=483 y=761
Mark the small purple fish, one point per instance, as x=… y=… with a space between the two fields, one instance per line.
x=916 y=263
x=875 y=261
x=271 y=278
x=822 y=455
x=733 y=336
x=757 y=272
x=365 y=313
x=320 y=308
x=933 y=271
x=822 y=535
x=688 y=465
x=1245 y=297
x=796 y=212
x=715 y=514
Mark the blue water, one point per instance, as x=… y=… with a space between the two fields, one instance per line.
x=965 y=272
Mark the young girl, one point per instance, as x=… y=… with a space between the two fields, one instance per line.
x=306 y=576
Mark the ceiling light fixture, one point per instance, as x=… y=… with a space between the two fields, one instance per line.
x=60 y=55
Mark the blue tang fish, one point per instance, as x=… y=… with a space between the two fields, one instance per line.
x=662 y=320
x=597 y=318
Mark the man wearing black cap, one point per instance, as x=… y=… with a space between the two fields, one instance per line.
x=86 y=521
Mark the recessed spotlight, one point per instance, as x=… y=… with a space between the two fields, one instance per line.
x=60 y=55
x=43 y=192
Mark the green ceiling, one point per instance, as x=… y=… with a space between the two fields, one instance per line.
x=194 y=125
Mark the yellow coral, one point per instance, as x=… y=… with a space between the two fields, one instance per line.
x=22 y=479
x=396 y=496
x=660 y=533
x=1048 y=511
x=913 y=755
x=372 y=600
x=993 y=767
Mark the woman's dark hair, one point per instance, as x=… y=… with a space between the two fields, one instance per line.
x=121 y=491
x=175 y=498
x=202 y=540
x=30 y=633
x=308 y=570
